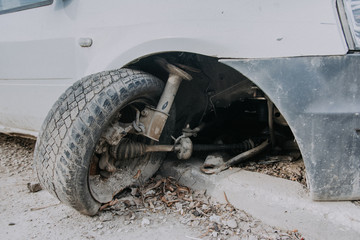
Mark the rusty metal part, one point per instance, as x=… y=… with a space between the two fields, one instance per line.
x=183 y=147
x=237 y=159
x=171 y=88
x=155 y=120
x=214 y=160
x=239 y=147
x=101 y=146
x=228 y=94
x=160 y=148
x=128 y=149
x=105 y=163
x=153 y=123
x=186 y=148
x=111 y=137
x=116 y=132
x=188 y=132
x=188 y=68
x=94 y=165
x=173 y=70
x=138 y=126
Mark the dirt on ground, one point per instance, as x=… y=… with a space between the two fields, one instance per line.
x=281 y=166
x=157 y=209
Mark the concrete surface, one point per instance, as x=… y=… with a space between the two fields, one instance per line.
x=25 y=215
x=277 y=202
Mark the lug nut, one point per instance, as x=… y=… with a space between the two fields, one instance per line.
x=144 y=113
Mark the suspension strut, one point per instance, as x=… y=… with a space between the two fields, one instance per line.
x=154 y=119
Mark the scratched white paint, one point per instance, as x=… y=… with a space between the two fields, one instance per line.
x=40 y=55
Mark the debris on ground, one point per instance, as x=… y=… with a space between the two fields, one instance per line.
x=281 y=167
x=34 y=187
x=156 y=203
x=195 y=209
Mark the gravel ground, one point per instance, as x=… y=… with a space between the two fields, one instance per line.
x=15 y=155
x=158 y=209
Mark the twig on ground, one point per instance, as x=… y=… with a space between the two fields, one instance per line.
x=227 y=200
x=40 y=208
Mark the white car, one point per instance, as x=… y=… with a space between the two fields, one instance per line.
x=250 y=77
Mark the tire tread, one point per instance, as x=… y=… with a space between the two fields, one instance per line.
x=69 y=127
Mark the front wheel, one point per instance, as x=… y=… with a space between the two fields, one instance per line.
x=67 y=158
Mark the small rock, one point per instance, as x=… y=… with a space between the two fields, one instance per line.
x=129 y=201
x=231 y=223
x=216 y=227
x=132 y=217
x=106 y=217
x=184 y=220
x=196 y=213
x=282 y=238
x=252 y=237
x=215 y=218
x=227 y=232
x=34 y=187
x=178 y=206
x=254 y=224
x=134 y=191
x=145 y=222
x=229 y=208
x=214 y=234
x=195 y=223
x=204 y=207
x=149 y=193
x=11 y=224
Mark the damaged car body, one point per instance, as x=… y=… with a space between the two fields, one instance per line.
x=235 y=79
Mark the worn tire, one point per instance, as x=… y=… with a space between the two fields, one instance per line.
x=73 y=126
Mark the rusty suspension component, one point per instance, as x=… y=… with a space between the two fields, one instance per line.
x=240 y=147
x=128 y=149
x=154 y=120
x=237 y=159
